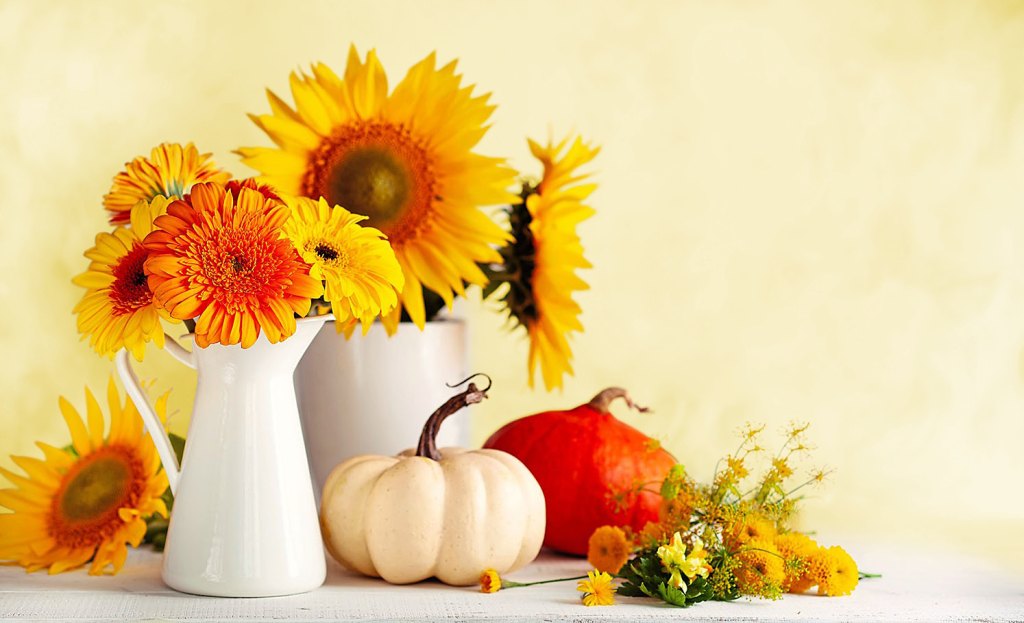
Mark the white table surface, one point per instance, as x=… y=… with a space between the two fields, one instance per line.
x=916 y=586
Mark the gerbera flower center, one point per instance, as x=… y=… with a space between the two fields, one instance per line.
x=237 y=263
x=378 y=170
x=130 y=289
x=326 y=252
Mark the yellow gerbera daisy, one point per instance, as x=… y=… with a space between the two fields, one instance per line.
x=362 y=276
x=70 y=508
x=404 y=160
x=170 y=171
x=117 y=309
x=540 y=263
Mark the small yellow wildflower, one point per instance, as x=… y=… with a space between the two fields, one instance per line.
x=737 y=467
x=597 y=589
x=490 y=581
x=797 y=429
x=750 y=432
x=782 y=468
x=677 y=563
x=608 y=549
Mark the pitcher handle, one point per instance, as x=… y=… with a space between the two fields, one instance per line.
x=149 y=416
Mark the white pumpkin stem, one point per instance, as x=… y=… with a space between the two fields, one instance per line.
x=427 y=446
x=601 y=401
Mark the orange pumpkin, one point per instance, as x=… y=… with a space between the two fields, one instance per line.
x=581 y=458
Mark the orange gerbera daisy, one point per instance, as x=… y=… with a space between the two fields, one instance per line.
x=70 y=508
x=117 y=309
x=170 y=171
x=225 y=260
x=402 y=159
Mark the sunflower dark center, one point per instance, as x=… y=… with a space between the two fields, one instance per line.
x=519 y=258
x=371 y=182
x=237 y=264
x=325 y=252
x=99 y=487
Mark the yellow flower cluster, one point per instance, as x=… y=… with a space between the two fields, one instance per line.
x=831 y=569
x=740 y=536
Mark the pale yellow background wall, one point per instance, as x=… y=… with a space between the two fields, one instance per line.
x=808 y=210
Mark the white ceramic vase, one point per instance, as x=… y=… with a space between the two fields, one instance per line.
x=245 y=521
x=372 y=393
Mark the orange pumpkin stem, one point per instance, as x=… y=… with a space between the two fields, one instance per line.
x=427 y=446
x=601 y=401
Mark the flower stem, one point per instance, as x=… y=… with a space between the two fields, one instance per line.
x=864 y=574
x=509 y=584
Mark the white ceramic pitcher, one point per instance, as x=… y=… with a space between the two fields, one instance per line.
x=369 y=394
x=244 y=522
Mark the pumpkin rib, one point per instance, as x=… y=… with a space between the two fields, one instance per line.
x=404 y=546
x=532 y=534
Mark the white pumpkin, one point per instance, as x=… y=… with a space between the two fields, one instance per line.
x=448 y=514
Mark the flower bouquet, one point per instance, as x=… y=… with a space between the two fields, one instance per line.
x=368 y=209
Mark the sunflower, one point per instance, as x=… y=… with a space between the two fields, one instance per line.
x=117 y=309
x=362 y=276
x=404 y=159
x=85 y=504
x=170 y=171
x=224 y=259
x=540 y=263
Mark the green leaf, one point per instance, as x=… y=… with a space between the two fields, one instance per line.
x=672 y=595
x=178 y=443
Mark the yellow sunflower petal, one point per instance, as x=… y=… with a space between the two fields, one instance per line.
x=403 y=160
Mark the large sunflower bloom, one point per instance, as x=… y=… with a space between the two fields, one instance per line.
x=360 y=270
x=224 y=259
x=540 y=263
x=70 y=508
x=404 y=160
x=170 y=171
x=117 y=309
